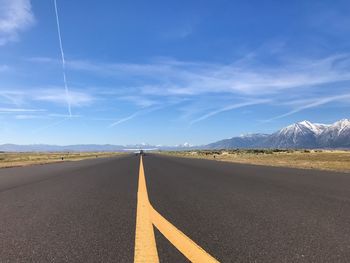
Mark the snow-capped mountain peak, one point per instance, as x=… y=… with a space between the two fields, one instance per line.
x=317 y=128
x=186 y=144
x=304 y=134
x=338 y=128
x=336 y=135
x=341 y=125
x=303 y=128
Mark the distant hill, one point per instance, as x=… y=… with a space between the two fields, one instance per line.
x=57 y=148
x=244 y=141
x=303 y=134
x=87 y=148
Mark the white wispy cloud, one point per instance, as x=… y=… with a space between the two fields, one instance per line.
x=247 y=79
x=229 y=108
x=243 y=76
x=55 y=95
x=171 y=77
x=311 y=103
x=136 y=114
x=16 y=110
x=15 y=16
x=127 y=118
x=49 y=94
x=140 y=101
x=29 y=116
x=60 y=115
x=11 y=97
x=39 y=59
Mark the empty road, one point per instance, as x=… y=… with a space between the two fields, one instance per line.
x=103 y=210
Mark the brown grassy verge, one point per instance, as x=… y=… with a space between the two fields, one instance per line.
x=307 y=159
x=24 y=159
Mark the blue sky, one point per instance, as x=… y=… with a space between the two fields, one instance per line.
x=169 y=72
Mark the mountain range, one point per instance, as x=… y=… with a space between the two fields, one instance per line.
x=88 y=147
x=304 y=135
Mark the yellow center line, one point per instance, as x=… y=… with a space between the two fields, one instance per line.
x=145 y=245
x=186 y=246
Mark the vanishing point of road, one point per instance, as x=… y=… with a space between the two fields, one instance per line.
x=166 y=209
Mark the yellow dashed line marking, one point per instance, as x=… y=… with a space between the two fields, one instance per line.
x=145 y=244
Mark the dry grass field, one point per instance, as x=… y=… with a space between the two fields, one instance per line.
x=23 y=159
x=308 y=159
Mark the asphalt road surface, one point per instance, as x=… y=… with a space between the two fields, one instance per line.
x=86 y=211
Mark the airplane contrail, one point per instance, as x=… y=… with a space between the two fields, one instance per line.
x=125 y=119
x=140 y=112
x=63 y=61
